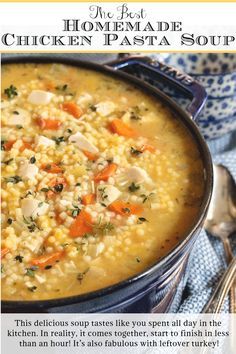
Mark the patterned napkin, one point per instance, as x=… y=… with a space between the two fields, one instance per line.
x=208 y=262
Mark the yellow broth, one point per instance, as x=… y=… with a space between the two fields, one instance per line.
x=66 y=231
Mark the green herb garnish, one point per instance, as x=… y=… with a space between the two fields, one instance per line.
x=19 y=258
x=32 y=160
x=59 y=140
x=147 y=197
x=133 y=187
x=13 y=179
x=7 y=162
x=58 y=188
x=141 y=220
x=62 y=88
x=80 y=276
x=135 y=152
x=135 y=113
x=11 y=91
x=32 y=288
x=30 y=271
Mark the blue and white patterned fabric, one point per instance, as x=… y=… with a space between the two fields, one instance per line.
x=207 y=262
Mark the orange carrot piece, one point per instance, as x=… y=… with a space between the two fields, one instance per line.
x=73 y=109
x=8 y=145
x=90 y=155
x=125 y=209
x=121 y=128
x=107 y=172
x=89 y=199
x=25 y=145
x=147 y=147
x=47 y=259
x=3 y=252
x=54 y=182
x=51 y=167
x=58 y=219
x=50 y=124
x=82 y=225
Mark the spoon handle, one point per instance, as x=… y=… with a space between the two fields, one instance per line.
x=216 y=300
x=232 y=291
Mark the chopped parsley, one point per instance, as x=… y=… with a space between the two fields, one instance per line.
x=141 y=220
x=13 y=179
x=59 y=140
x=3 y=145
x=45 y=189
x=31 y=225
x=103 y=228
x=19 y=258
x=126 y=210
x=32 y=288
x=7 y=162
x=133 y=187
x=75 y=212
x=102 y=191
x=135 y=152
x=62 y=88
x=18 y=126
x=80 y=276
x=11 y=91
x=135 y=113
x=49 y=266
x=92 y=107
x=138 y=260
x=58 y=188
x=30 y=271
x=147 y=197
x=32 y=159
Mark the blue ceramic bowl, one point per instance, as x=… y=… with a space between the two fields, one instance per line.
x=158 y=288
x=217 y=73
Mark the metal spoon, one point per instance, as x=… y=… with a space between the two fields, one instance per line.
x=221 y=217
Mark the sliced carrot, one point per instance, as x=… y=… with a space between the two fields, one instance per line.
x=82 y=225
x=90 y=155
x=50 y=124
x=4 y=251
x=89 y=199
x=25 y=145
x=53 y=183
x=147 y=147
x=121 y=128
x=58 y=219
x=125 y=209
x=73 y=109
x=107 y=172
x=51 y=167
x=8 y=145
x=47 y=259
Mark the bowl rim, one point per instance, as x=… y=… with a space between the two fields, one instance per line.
x=208 y=175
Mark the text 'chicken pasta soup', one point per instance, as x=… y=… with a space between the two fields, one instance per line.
x=99 y=181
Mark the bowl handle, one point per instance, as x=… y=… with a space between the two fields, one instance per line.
x=183 y=82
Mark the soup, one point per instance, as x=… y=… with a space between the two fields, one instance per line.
x=99 y=181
